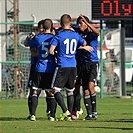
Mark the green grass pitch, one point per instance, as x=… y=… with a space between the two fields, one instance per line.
x=115 y=116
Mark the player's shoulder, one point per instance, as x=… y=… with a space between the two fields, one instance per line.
x=76 y=28
x=58 y=31
x=37 y=36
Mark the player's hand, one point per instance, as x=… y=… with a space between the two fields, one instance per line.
x=34 y=52
x=32 y=34
x=88 y=48
x=82 y=17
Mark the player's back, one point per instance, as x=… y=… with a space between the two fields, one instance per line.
x=46 y=62
x=68 y=41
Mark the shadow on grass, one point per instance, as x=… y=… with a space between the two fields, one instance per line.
x=98 y=127
x=115 y=120
x=11 y=119
x=102 y=126
x=120 y=120
x=19 y=119
x=109 y=127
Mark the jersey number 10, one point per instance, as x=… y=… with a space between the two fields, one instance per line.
x=70 y=46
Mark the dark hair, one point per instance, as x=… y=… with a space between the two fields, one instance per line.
x=107 y=53
x=65 y=19
x=40 y=23
x=47 y=24
x=79 y=18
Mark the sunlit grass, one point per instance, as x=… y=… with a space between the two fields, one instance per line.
x=115 y=115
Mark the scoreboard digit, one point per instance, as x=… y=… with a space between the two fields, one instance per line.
x=112 y=9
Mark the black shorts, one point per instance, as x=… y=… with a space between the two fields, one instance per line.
x=87 y=73
x=31 y=75
x=42 y=81
x=64 y=77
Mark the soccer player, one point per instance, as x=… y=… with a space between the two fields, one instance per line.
x=33 y=60
x=45 y=67
x=87 y=67
x=66 y=42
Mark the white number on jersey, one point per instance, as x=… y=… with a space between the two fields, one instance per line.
x=70 y=46
x=45 y=49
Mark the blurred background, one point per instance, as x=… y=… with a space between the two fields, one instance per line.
x=20 y=17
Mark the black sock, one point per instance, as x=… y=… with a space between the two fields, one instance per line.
x=87 y=103
x=93 y=102
x=77 y=98
x=53 y=106
x=48 y=103
x=60 y=100
x=70 y=102
x=29 y=103
x=34 y=103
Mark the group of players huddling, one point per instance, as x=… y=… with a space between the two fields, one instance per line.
x=65 y=58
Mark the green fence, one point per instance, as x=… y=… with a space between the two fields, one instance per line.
x=111 y=43
x=15 y=63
